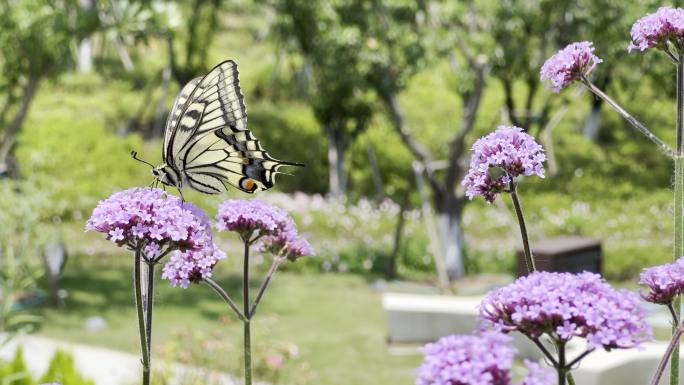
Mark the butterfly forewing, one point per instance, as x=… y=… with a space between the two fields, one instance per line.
x=174 y=116
x=208 y=141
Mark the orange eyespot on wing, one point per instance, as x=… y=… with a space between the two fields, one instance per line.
x=248 y=184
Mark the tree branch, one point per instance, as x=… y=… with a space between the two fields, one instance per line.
x=18 y=120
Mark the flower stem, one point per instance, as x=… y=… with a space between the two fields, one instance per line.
x=629 y=118
x=674 y=342
x=264 y=285
x=149 y=301
x=529 y=261
x=247 y=322
x=541 y=347
x=678 y=209
x=222 y=293
x=561 y=364
x=141 y=317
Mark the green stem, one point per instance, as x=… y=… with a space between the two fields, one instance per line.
x=141 y=318
x=264 y=285
x=247 y=323
x=529 y=261
x=678 y=208
x=629 y=118
x=149 y=300
x=562 y=369
x=670 y=350
x=226 y=298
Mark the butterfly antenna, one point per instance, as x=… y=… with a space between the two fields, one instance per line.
x=134 y=155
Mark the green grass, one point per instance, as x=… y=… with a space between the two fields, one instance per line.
x=336 y=321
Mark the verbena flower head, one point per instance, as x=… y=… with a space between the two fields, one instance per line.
x=504 y=154
x=568 y=64
x=656 y=30
x=564 y=305
x=185 y=267
x=247 y=217
x=286 y=242
x=538 y=375
x=150 y=220
x=474 y=360
x=664 y=282
x=467 y=359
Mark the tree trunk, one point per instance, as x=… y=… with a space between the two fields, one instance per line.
x=337 y=176
x=125 y=58
x=84 y=55
x=12 y=130
x=449 y=224
x=159 y=121
x=593 y=121
x=375 y=172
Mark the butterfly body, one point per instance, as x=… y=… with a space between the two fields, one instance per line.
x=207 y=145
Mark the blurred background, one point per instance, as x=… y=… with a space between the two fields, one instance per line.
x=381 y=99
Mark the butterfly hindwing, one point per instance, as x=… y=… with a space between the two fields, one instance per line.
x=209 y=142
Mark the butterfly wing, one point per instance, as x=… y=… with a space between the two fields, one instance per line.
x=179 y=105
x=210 y=143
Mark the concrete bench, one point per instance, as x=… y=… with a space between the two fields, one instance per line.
x=418 y=319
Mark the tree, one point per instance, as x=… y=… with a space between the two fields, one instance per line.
x=325 y=35
x=411 y=34
x=200 y=29
x=35 y=40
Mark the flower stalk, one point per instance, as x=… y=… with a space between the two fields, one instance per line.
x=678 y=213
x=529 y=261
x=246 y=323
x=142 y=326
x=627 y=116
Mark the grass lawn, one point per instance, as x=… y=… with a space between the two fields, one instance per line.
x=335 y=321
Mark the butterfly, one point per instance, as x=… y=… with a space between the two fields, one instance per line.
x=207 y=145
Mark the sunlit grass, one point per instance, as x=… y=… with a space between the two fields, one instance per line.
x=336 y=321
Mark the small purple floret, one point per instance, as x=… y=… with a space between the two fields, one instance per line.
x=665 y=282
x=568 y=64
x=656 y=30
x=564 y=305
x=509 y=151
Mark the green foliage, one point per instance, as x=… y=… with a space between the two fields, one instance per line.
x=61 y=370
x=21 y=236
x=35 y=38
x=15 y=372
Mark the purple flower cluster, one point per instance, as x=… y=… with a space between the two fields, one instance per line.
x=504 y=154
x=150 y=220
x=276 y=230
x=538 y=375
x=664 y=282
x=474 y=360
x=189 y=266
x=286 y=242
x=467 y=359
x=247 y=217
x=565 y=305
x=655 y=30
x=568 y=64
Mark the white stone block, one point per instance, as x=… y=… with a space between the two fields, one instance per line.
x=414 y=318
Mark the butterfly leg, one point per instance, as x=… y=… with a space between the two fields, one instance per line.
x=182 y=197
